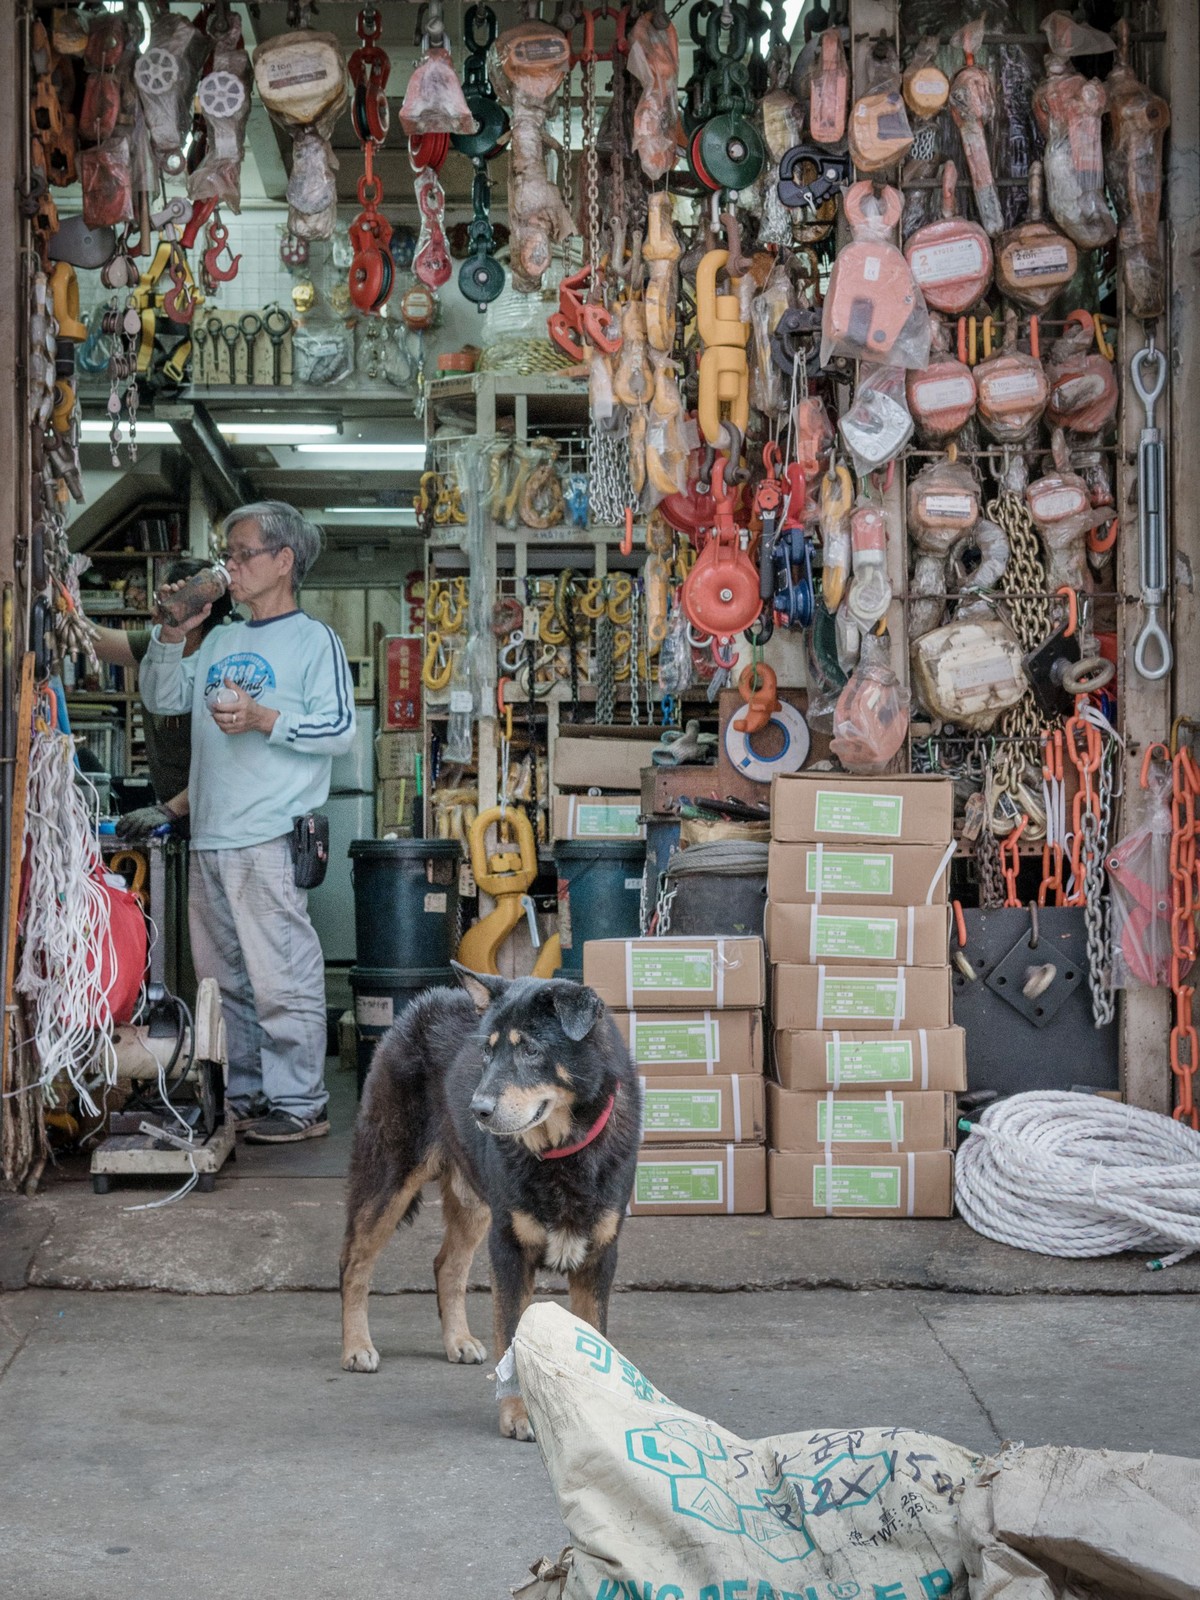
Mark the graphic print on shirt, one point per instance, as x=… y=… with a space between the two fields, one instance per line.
x=248 y=671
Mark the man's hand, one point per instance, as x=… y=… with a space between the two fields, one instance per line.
x=171 y=633
x=238 y=712
x=139 y=825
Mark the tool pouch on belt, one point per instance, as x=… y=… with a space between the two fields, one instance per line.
x=310 y=849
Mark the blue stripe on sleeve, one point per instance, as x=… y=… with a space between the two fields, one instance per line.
x=339 y=723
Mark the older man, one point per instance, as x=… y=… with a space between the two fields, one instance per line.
x=272 y=703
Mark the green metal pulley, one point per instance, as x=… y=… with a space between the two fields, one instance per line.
x=731 y=151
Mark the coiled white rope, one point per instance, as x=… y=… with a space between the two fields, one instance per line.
x=1077 y=1175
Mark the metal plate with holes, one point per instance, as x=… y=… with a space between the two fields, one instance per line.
x=1010 y=1048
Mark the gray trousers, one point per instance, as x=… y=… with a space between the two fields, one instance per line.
x=250 y=931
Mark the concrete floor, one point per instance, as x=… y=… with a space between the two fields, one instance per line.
x=188 y=1432
x=166 y=1446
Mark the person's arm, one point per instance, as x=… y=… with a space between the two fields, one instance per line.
x=139 y=825
x=178 y=805
x=326 y=726
x=112 y=646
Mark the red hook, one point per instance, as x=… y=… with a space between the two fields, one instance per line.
x=179 y=302
x=218 y=245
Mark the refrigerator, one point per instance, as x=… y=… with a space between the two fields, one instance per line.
x=351 y=812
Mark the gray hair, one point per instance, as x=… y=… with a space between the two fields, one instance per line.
x=281 y=527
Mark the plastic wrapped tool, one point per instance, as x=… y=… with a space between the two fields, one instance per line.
x=870 y=591
x=1083 y=383
x=1060 y=503
x=1133 y=164
x=873 y=310
x=768 y=306
x=106 y=179
x=1012 y=387
x=943 y=505
x=301 y=79
x=1139 y=883
x=822 y=79
x=837 y=496
x=969 y=672
x=870 y=720
x=951 y=259
x=973 y=107
x=880 y=136
x=1068 y=108
x=527 y=66
x=925 y=86
x=434 y=100
x=224 y=100
x=878 y=424
x=166 y=75
x=941 y=397
x=654 y=61
x=1034 y=262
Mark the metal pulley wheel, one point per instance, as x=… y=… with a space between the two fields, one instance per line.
x=370 y=114
x=221 y=94
x=492 y=118
x=481 y=279
x=157 y=72
x=728 y=152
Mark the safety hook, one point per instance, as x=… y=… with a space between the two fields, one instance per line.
x=218 y=245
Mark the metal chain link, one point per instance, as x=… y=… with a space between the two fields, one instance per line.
x=611 y=488
x=635 y=631
x=668 y=888
x=991 y=882
x=565 y=184
x=606 y=683
x=1096 y=832
x=1024 y=583
x=591 y=173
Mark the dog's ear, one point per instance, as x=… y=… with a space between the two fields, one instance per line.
x=576 y=1007
x=483 y=987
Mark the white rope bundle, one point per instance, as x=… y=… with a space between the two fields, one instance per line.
x=67 y=940
x=1077 y=1175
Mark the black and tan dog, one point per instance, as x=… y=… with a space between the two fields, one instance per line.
x=520 y=1097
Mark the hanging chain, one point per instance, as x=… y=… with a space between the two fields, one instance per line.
x=635 y=631
x=1095 y=831
x=667 y=890
x=1024 y=583
x=606 y=683
x=611 y=488
x=987 y=856
x=565 y=184
x=591 y=174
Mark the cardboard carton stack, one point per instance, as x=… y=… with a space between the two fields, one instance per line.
x=691 y=1011
x=866 y=1059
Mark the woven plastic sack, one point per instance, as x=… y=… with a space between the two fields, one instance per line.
x=660 y=1501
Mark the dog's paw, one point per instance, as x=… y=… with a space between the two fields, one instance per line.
x=462 y=1347
x=514 y=1420
x=364 y=1360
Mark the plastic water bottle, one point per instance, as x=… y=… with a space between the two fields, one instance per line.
x=196 y=592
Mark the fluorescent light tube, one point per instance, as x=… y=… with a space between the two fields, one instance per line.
x=346 y=447
x=280 y=432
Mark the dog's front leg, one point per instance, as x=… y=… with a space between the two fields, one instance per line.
x=591 y=1284
x=512 y=1290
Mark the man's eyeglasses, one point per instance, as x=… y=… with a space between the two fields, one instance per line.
x=239 y=558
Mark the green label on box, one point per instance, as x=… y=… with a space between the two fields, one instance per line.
x=682 y=1110
x=879 y=998
x=860 y=1122
x=860 y=1187
x=847 y=872
x=869 y=1061
x=651 y=1043
x=678 y=1183
x=860 y=938
x=865 y=815
x=673 y=969
x=606 y=822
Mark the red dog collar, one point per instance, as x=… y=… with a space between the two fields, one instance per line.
x=594 y=1132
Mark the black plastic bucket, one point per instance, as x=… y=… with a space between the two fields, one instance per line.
x=720 y=905
x=380 y=995
x=405 y=902
x=599 y=894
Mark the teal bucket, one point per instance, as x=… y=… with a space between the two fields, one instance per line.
x=381 y=995
x=599 y=895
x=405 y=902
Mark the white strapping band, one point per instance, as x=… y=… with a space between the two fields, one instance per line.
x=900 y=1005
x=828 y=1141
x=912 y=1184
x=737 y=1109
x=891 y=1117
x=912 y=924
x=828 y=1181
x=729 y=1179
x=629 y=973
x=820 y=996
x=710 y=1054
x=720 y=974
x=923 y=1039
x=942 y=865
x=837 y=1059
x=820 y=854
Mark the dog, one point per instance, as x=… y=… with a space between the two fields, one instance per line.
x=520 y=1097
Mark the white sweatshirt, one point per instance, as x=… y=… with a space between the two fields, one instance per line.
x=246 y=788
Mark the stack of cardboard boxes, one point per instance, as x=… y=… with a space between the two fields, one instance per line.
x=861 y=1114
x=691 y=1011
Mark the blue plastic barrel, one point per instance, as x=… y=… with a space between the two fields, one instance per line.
x=599 y=894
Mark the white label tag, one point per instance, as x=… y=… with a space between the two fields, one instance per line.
x=435 y=902
x=1051 y=505
x=949 y=505
x=1014 y=386
x=1045 y=258
x=950 y=262
x=940 y=394
x=374 y=1010
x=871 y=269
x=460 y=700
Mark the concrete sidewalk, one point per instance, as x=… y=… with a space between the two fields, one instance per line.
x=166 y=1447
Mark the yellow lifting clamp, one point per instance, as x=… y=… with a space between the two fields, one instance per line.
x=507 y=875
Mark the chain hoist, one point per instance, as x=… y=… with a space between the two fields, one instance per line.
x=726 y=150
x=372 y=272
x=481 y=277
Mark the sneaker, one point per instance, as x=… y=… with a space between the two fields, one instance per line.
x=281 y=1127
x=239 y=1116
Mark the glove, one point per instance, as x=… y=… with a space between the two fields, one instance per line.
x=138 y=825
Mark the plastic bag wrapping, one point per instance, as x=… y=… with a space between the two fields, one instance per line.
x=766 y=381
x=1133 y=165
x=166 y=76
x=1060 y=504
x=1139 y=884
x=322 y=352
x=821 y=82
x=878 y=424
x=654 y=61
x=106 y=181
x=676 y=670
x=666 y=435
x=1012 y=389
x=527 y=65
x=941 y=397
x=926 y=595
x=1016 y=71
x=301 y=79
x=973 y=107
x=1083 y=384
x=312 y=187
x=473 y=684
x=980 y=559
x=1068 y=108
x=219 y=175
x=943 y=505
x=969 y=672
x=873 y=309
x=434 y=101
x=880 y=135
x=870 y=721
x=834 y=522
x=870 y=591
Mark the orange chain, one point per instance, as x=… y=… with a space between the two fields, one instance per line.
x=1010 y=860
x=1185 y=899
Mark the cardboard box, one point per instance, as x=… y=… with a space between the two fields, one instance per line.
x=688 y=1043
x=867 y=999
x=920 y=1058
x=587 y=760
x=679 y=1110
x=866 y=875
x=919 y=1184
x=819 y=806
x=676 y=974
x=394 y=804
x=594 y=816
x=888 y=1119
x=700 y=1181
x=396 y=755
x=911 y=936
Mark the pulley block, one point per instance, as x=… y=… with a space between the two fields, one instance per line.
x=728 y=152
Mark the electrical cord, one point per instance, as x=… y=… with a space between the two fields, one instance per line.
x=1077 y=1175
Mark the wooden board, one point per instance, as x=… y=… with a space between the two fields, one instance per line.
x=16 y=851
x=133 y=1154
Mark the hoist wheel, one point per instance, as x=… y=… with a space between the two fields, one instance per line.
x=730 y=150
x=695 y=161
x=481 y=279
x=156 y=72
x=221 y=95
x=493 y=125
